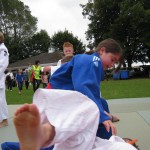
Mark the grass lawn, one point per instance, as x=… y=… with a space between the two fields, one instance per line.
x=13 y=97
x=131 y=88
x=112 y=89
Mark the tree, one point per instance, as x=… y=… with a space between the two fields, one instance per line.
x=124 y=20
x=58 y=39
x=16 y=20
x=37 y=44
x=132 y=29
x=17 y=24
x=101 y=15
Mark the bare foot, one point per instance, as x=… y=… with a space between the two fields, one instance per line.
x=32 y=135
x=4 y=123
x=28 y=128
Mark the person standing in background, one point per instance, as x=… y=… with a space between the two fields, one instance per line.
x=19 y=80
x=44 y=78
x=29 y=72
x=26 y=78
x=4 y=61
x=36 y=73
x=9 y=79
x=67 y=50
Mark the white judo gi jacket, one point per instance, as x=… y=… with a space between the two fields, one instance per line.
x=4 y=60
x=75 y=118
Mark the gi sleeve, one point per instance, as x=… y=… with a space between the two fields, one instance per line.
x=86 y=79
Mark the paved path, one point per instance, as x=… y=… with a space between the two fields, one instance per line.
x=134 y=121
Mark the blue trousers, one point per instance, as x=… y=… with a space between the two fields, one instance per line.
x=101 y=132
x=16 y=146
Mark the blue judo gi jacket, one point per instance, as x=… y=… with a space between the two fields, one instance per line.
x=83 y=74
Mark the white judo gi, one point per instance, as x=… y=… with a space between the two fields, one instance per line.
x=75 y=118
x=4 y=60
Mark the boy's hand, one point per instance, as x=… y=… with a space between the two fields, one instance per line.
x=108 y=124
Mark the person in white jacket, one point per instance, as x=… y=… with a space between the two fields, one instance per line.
x=4 y=61
x=63 y=118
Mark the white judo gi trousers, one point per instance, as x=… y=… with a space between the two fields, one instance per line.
x=75 y=118
x=3 y=105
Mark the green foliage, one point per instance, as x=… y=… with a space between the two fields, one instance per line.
x=133 y=31
x=22 y=40
x=17 y=24
x=37 y=44
x=16 y=19
x=101 y=15
x=58 y=39
x=124 y=20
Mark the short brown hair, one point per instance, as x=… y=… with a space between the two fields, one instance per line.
x=113 y=47
x=1 y=37
x=67 y=44
x=66 y=59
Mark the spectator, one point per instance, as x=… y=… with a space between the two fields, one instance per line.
x=4 y=61
x=36 y=73
x=9 y=80
x=44 y=78
x=26 y=78
x=67 y=50
x=29 y=71
x=19 y=80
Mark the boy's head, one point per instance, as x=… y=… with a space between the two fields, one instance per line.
x=68 y=49
x=66 y=59
x=19 y=70
x=132 y=142
x=37 y=62
x=1 y=37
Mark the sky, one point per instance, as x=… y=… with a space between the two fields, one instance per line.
x=58 y=15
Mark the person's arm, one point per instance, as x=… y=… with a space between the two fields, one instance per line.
x=59 y=63
x=22 y=77
x=86 y=79
x=53 y=69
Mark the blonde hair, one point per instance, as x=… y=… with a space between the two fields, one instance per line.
x=67 y=44
x=1 y=37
